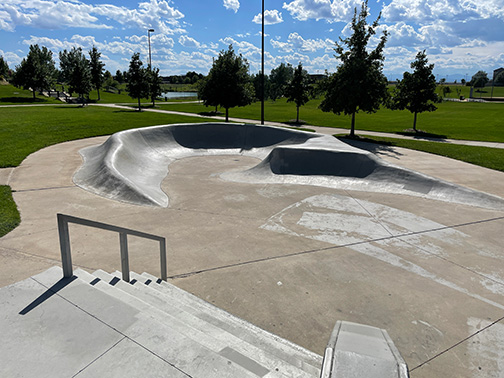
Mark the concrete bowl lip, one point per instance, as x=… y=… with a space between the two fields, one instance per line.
x=131 y=165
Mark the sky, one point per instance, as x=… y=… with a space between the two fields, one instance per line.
x=460 y=37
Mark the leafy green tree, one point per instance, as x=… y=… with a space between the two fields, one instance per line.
x=4 y=68
x=97 y=70
x=228 y=82
x=138 y=80
x=119 y=76
x=257 y=83
x=280 y=77
x=36 y=72
x=155 y=82
x=359 y=83
x=499 y=78
x=298 y=89
x=417 y=91
x=76 y=72
x=479 y=79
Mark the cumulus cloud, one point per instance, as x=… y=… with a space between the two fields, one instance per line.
x=453 y=10
x=234 y=5
x=186 y=41
x=53 y=14
x=271 y=17
x=296 y=42
x=331 y=11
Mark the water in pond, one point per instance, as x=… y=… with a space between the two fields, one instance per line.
x=170 y=95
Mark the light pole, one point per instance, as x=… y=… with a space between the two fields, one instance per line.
x=150 y=58
x=262 y=67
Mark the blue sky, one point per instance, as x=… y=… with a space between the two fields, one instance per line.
x=459 y=36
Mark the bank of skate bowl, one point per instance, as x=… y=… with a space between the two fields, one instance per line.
x=131 y=165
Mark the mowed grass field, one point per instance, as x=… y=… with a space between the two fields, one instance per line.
x=457 y=120
x=26 y=129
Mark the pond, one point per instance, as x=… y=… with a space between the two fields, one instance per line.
x=171 y=95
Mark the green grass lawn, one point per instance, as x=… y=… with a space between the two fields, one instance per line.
x=9 y=215
x=492 y=158
x=10 y=95
x=24 y=130
x=470 y=121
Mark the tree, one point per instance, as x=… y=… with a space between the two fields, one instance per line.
x=298 y=89
x=138 y=80
x=479 y=79
x=154 y=84
x=358 y=84
x=36 y=72
x=97 y=70
x=119 y=76
x=417 y=91
x=76 y=72
x=228 y=82
x=4 y=68
x=499 y=78
x=257 y=82
x=280 y=77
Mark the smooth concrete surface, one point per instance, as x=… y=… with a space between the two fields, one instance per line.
x=294 y=259
x=131 y=164
x=83 y=326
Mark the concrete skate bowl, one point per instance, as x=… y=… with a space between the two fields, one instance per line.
x=131 y=165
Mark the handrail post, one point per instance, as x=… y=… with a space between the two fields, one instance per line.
x=123 y=240
x=162 y=251
x=66 y=256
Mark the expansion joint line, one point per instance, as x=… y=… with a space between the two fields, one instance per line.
x=300 y=253
x=457 y=344
x=115 y=330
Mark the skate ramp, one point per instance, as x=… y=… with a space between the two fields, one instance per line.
x=131 y=165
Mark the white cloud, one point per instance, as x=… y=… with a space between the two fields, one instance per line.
x=53 y=14
x=432 y=10
x=271 y=17
x=295 y=42
x=234 y=5
x=331 y=11
x=186 y=41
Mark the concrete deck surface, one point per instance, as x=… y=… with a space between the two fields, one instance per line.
x=295 y=259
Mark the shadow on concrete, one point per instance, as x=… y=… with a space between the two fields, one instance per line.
x=48 y=294
x=372 y=145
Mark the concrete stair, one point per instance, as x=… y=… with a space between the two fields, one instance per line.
x=98 y=325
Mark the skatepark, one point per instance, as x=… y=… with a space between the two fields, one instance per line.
x=283 y=230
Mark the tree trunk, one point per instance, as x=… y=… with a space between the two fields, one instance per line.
x=98 y=89
x=414 y=122
x=352 y=128
x=139 y=106
x=153 y=101
x=33 y=92
x=297 y=117
x=227 y=114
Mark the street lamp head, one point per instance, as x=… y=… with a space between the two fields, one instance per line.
x=151 y=30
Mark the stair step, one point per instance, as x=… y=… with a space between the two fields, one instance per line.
x=211 y=336
x=280 y=348
x=177 y=349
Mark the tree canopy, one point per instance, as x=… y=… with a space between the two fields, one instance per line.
x=138 y=80
x=479 y=79
x=155 y=82
x=279 y=78
x=359 y=83
x=298 y=89
x=4 y=68
x=416 y=91
x=97 y=70
x=76 y=71
x=36 y=72
x=228 y=82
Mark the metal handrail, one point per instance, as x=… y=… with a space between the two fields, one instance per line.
x=66 y=257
